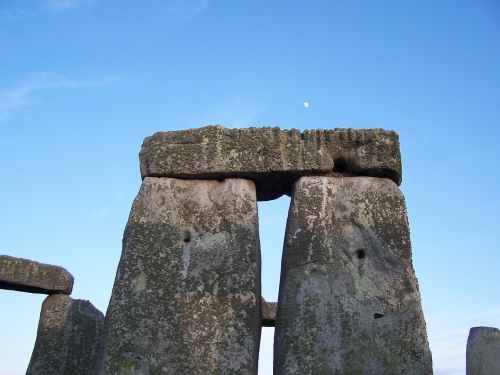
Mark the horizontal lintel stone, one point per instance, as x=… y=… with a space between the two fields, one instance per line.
x=25 y=275
x=271 y=157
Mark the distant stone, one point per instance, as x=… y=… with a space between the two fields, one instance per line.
x=349 y=302
x=483 y=351
x=271 y=157
x=68 y=337
x=28 y=276
x=186 y=298
x=268 y=313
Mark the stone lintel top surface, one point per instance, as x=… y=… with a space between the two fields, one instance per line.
x=271 y=157
x=25 y=275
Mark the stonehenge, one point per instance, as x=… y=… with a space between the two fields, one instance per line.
x=187 y=292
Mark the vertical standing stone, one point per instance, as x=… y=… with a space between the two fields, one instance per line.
x=68 y=337
x=483 y=351
x=349 y=301
x=186 y=298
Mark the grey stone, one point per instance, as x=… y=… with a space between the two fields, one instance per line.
x=483 y=351
x=349 y=301
x=268 y=313
x=186 y=298
x=271 y=157
x=28 y=276
x=68 y=338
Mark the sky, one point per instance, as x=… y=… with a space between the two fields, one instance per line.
x=83 y=82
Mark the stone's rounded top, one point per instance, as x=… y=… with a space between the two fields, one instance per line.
x=25 y=275
x=271 y=157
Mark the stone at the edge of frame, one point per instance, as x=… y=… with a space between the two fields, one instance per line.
x=25 y=275
x=68 y=338
x=483 y=351
x=349 y=301
x=268 y=313
x=271 y=157
x=186 y=298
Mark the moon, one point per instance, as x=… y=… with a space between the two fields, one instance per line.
x=306 y=104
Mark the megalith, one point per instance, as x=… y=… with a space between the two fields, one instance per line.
x=483 y=351
x=25 y=275
x=68 y=337
x=349 y=301
x=186 y=298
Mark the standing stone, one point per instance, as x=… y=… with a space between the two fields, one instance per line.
x=68 y=338
x=186 y=298
x=25 y=275
x=483 y=351
x=349 y=301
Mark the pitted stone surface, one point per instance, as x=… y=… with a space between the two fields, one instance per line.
x=271 y=157
x=68 y=337
x=186 y=298
x=268 y=313
x=349 y=301
x=28 y=276
x=483 y=351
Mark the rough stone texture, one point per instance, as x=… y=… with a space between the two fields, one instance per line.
x=268 y=313
x=186 y=298
x=271 y=157
x=28 y=276
x=483 y=351
x=68 y=338
x=349 y=301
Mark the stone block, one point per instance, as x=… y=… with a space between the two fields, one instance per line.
x=186 y=298
x=271 y=157
x=28 y=276
x=483 y=351
x=268 y=313
x=68 y=338
x=349 y=301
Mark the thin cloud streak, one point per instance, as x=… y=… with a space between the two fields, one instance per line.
x=65 y=5
x=182 y=11
x=20 y=96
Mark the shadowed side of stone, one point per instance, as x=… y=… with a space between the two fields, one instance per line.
x=186 y=298
x=28 y=276
x=349 y=301
x=68 y=337
x=483 y=351
x=271 y=157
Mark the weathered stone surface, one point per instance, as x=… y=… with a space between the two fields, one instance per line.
x=28 y=276
x=68 y=337
x=268 y=313
x=271 y=157
x=483 y=351
x=349 y=301
x=186 y=298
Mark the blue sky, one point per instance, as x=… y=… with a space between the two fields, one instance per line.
x=82 y=82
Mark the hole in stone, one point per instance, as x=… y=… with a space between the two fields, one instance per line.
x=220 y=179
x=340 y=165
x=360 y=253
x=186 y=236
x=378 y=315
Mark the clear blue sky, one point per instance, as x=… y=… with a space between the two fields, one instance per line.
x=82 y=82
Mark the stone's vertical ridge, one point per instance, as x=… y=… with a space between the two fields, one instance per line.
x=68 y=337
x=483 y=351
x=349 y=300
x=186 y=298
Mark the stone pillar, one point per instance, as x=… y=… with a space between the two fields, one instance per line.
x=483 y=351
x=68 y=337
x=186 y=298
x=349 y=301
